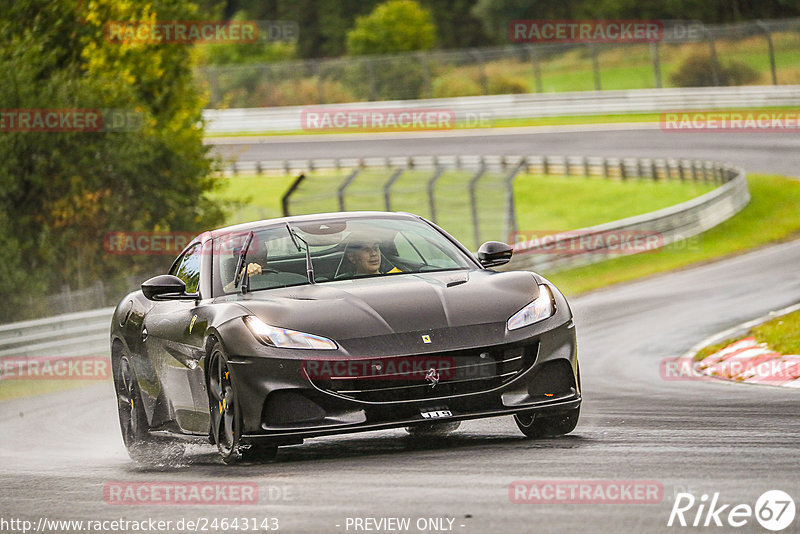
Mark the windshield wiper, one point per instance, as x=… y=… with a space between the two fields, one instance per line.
x=239 y=264
x=309 y=265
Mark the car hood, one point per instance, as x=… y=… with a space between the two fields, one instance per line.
x=395 y=304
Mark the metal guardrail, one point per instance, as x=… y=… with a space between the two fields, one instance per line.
x=71 y=334
x=520 y=106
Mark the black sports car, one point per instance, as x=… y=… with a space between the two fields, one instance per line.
x=267 y=333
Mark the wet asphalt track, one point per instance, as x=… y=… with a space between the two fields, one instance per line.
x=57 y=451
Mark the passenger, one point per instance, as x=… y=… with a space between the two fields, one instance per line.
x=364 y=254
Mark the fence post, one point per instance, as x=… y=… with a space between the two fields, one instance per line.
x=373 y=92
x=473 y=200
x=427 y=89
x=714 y=61
x=290 y=192
x=656 y=63
x=345 y=185
x=482 y=68
x=511 y=213
x=431 y=184
x=389 y=183
x=771 y=47
x=537 y=68
x=596 y=68
x=320 y=86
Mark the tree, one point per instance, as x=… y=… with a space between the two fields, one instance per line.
x=395 y=26
x=61 y=192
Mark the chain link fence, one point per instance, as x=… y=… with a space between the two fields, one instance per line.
x=689 y=54
x=471 y=196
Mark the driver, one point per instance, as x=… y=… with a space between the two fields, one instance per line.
x=364 y=253
x=252 y=269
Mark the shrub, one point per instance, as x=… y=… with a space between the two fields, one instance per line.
x=697 y=71
x=451 y=85
x=506 y=85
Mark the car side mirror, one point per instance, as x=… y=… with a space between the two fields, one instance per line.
x=494 y=253
x=166 y=287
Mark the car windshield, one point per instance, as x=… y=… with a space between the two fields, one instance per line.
x=341 y=249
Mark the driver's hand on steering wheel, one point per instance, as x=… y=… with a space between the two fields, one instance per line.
x=253 y=268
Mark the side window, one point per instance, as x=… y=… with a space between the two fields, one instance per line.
x=188 y=269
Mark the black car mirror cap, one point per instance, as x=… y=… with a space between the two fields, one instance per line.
x=494 y=253
x=166 y=287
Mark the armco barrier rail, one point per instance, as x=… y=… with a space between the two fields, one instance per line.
x=72 y=334
x=479 y=109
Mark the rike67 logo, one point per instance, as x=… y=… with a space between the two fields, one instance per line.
x=774 y=510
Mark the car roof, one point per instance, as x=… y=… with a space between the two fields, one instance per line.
x=254 y=225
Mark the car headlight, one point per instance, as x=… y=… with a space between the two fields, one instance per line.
x=536 y=311
x=285 y=338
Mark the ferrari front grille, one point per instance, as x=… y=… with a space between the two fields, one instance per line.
x=429 y=376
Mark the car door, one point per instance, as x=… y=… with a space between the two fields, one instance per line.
x=174 y=330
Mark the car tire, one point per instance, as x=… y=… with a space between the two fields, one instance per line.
x=433 y=429
x=226 y=416
x=547 y=426
x=142 y=447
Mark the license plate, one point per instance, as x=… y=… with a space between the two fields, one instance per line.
x=437 y=414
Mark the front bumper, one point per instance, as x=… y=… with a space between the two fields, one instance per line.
x=280 y=403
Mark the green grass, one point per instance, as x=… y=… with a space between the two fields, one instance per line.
x=781 y=334
x=771 y=216
x=559 y=204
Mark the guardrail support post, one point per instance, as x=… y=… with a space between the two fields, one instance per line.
x=587 y=173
